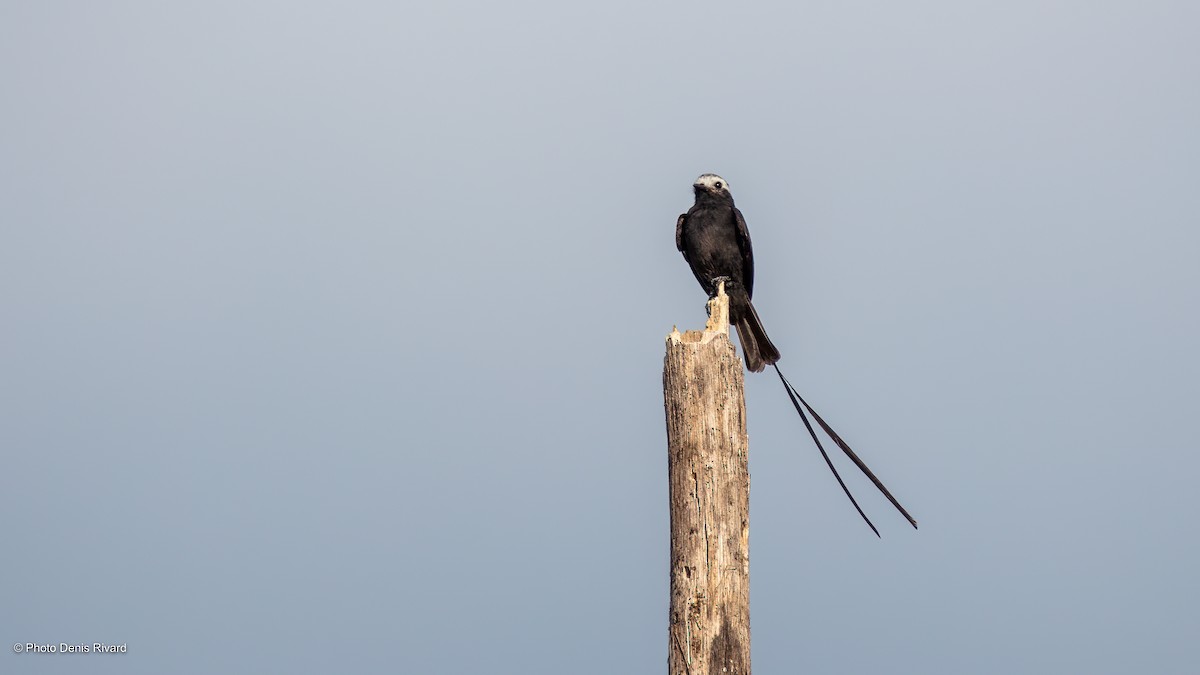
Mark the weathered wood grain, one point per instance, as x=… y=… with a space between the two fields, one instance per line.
x=709 y=632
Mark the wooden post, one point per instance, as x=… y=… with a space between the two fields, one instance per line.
x=709 y=632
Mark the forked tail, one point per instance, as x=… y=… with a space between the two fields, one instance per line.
x=800 y=404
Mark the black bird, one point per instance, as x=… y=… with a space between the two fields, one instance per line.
x=715 y=242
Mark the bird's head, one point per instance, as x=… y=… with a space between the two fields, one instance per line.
x=710 y=184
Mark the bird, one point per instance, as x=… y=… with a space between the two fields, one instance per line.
x=715 y=242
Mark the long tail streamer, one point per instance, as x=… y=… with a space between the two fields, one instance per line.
x=800 y=404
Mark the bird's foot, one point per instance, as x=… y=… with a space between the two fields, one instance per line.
x=716 y=285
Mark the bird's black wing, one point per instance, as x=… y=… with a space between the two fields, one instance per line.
x=679 y=234
x=743 y=239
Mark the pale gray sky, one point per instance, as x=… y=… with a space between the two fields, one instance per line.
x=332 y=333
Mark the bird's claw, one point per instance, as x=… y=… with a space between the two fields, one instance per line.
x=716 y=285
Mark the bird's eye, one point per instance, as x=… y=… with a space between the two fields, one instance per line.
x=718 y=185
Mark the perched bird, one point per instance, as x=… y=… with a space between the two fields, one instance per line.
x=714 y=241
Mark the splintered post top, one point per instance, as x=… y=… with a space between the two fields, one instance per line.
x=718 y=311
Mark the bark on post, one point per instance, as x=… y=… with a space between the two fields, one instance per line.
x=709 y=632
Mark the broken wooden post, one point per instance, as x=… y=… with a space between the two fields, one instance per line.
x=709 y=632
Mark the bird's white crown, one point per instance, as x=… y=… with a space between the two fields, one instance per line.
x=712 y=181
